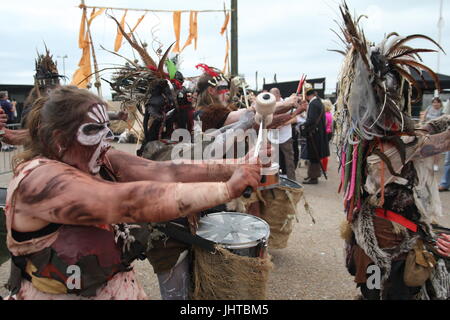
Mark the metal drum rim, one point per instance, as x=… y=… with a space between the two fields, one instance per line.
x=244 y=245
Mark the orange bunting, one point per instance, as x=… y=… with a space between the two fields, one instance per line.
x=95 y=14
x=225 y=24
x=226 y=57
x=193 y=33
x=137 y=24
x=119 y=37
x=177 y=29
x=81 y=38
x=82 y=75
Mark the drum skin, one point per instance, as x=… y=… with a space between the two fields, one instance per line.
x=240 y=233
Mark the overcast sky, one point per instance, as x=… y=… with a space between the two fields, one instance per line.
x=286 y=37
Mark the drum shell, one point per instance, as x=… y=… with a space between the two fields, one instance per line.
x=235 y=271
x=257 y=251
x=249 y=248
x=271 y=177
x=270 y=181
x=278 y=211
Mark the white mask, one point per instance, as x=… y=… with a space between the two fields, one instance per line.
x=96 y=133
x=92 y=133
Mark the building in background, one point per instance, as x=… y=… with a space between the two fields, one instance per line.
x=289 y=87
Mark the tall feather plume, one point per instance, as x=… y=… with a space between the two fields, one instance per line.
x=139 y=48
x=372 y=79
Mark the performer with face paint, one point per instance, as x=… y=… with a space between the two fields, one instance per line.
x=71 y=198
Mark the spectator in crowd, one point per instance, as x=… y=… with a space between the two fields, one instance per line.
x=287 y=164
x=314 y=129
x=435 y=110
x=8 y=108
x=329 y=128
x=445 y=180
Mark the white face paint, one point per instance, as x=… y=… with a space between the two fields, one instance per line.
x=96 y=133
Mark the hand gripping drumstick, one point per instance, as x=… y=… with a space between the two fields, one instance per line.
x=265 y=107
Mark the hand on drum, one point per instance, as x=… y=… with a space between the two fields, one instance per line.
x=246 y=175
x=443 y=245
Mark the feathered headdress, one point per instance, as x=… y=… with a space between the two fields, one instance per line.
x=136 y=80
x=46 y=70
x=376 y=81
x=218 y=78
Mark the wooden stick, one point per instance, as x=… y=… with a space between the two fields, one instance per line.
x=148 y=10
x=94 y=58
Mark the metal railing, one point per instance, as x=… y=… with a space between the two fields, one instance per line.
x=7 y=152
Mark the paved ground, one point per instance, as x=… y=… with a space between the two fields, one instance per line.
x=312 y=267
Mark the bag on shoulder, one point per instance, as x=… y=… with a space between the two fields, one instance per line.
x=418 y=265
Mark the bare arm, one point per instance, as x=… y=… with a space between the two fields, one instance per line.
x=234 y=116
x=433 y=144
x=279 y=120
x=282 y=107
x=62 y=194
x=16 y=137
x=286 y=105
x=128 y=168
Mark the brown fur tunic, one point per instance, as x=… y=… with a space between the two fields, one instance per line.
x=213 y=116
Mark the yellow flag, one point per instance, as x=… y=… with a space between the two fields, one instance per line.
x=95 y=14
x=137 y=24
x=81 y=77
x=225 y=24
x=177 y=29
x=193 y=34
x=119 y=37
x=226 y=57
x=82 y=30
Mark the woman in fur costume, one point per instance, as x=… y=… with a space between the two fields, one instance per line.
x=390 y=193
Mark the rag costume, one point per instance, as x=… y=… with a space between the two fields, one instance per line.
x=390 y=193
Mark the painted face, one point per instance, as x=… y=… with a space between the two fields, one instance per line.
x=222 y=91
x=95 y=133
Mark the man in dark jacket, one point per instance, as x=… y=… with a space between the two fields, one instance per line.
x=6 y=105
x=314 y=129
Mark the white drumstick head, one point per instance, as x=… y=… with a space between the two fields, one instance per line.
x=265 y=104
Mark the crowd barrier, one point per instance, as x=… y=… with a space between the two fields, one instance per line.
x=7 y=152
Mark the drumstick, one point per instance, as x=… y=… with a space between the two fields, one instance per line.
x=265 y=107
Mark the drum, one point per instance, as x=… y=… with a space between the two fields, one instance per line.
x=271 y=177
x=239 y=268
x=279 y=209
x=239 y=233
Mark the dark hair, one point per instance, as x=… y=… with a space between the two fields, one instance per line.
x=203 y=83
x=204 y=98
x=436 y=99
x=62 y=112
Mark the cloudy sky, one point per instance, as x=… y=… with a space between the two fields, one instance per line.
x=286 y=37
